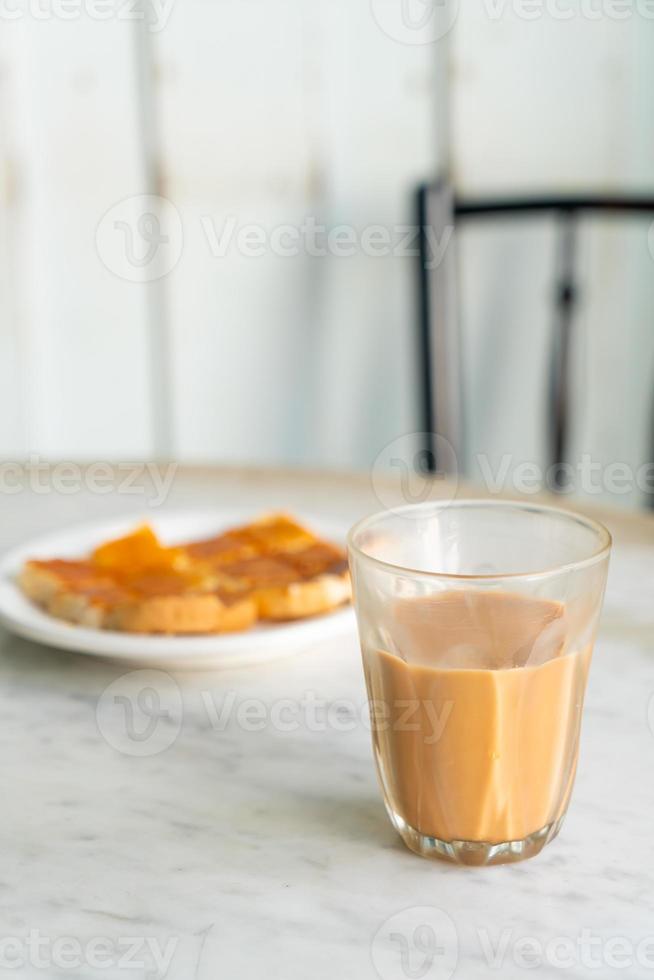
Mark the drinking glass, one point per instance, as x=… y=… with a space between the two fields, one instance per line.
x=477 y=621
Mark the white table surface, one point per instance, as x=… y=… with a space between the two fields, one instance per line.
x=248 y=839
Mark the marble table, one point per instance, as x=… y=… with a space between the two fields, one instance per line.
x=246 y=837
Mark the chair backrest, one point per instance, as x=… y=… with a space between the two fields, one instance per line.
x=438 y=212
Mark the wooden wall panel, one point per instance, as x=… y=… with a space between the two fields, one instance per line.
x=278 y=114
x=13 y=421
x=73 y=150
x=379 y=142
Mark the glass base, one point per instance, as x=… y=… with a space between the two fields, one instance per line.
x=475 y=853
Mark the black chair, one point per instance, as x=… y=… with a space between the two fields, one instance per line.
x=439 y=211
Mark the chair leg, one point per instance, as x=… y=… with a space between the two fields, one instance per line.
x=565 y=306
x=439 y=327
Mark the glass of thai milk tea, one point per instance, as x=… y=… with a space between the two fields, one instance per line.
x=477 y=621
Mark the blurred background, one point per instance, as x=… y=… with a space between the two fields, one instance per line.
x=208 y=228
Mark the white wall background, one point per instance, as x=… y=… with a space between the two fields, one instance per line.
x=269 y=111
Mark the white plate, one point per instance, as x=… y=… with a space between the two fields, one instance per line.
x=255 y=646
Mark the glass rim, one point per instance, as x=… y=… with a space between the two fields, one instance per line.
x=590 y=523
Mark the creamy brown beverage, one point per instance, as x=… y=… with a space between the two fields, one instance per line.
x=477 y=709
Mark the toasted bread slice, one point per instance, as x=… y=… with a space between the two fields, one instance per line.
x=183 y=614
x=42 y=580
x=289 y=571
x=304 y=598
x=293 y=585
x=72 y=590
x=274 y=534
x=163 y=602
x=189 y=601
